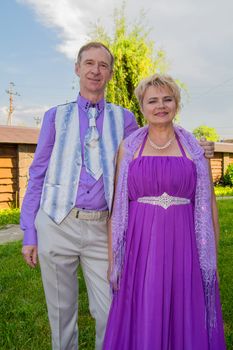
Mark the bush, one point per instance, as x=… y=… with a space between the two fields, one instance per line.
x=221 y=191
x=227 y=179
x=209 y=133
x=9 y=216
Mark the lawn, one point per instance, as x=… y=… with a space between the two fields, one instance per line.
x=23 y=320
x=24 y=323
x=225 y=266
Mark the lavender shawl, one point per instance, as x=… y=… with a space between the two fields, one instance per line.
x=203 y=215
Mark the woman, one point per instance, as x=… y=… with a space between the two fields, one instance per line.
x=164 y=235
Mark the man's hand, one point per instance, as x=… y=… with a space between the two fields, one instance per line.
x=30 y=254
x=208 y=147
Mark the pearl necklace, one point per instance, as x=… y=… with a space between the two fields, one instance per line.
x=160 y=147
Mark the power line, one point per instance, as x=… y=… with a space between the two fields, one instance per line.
x=213 y=88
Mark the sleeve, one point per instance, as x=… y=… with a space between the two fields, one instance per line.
x=37 y=171
x=130 y=123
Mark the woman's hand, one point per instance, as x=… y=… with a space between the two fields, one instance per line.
x=109 y=271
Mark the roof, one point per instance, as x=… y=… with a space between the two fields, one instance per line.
x=228 y=141
x=223 y=147
x=18 y=134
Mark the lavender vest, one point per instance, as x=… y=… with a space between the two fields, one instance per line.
x=63 y=173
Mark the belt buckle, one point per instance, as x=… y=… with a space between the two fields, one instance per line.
x=85 y=215
x=90 y=215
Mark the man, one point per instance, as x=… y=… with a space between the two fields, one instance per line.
x=69 y=195
x=74 y=199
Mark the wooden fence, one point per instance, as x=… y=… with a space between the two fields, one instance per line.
x=17 y=148
x=8 y=176
x=223 y=156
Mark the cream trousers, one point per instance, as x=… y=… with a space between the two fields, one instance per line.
x=61 y=248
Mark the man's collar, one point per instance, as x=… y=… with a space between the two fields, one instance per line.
x=86 y=104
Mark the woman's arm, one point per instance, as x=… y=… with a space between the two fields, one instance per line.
x=214 y=212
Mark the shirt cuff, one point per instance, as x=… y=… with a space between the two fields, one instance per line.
x=30 y=237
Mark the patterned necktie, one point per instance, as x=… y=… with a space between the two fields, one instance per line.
x=92 y=146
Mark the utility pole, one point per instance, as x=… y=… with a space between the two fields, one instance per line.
x=38 y=121
x=11 y=93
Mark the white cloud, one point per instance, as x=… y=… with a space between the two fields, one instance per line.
x=196 y=36
x=71 y=18
x=188 y=31
x=23 y=116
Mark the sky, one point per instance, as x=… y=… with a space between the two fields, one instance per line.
x=39 y=41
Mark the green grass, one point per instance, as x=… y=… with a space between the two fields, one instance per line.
x=225 y=263
x=24 y=323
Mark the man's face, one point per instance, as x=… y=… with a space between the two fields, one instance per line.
x=94 y=71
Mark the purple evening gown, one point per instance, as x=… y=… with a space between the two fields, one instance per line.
x=160 y=304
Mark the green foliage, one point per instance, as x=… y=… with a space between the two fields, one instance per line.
x=9 y=216
x=208 y=132
x=135 y=59
x=222 y=191
x=226 y=180
x=228 y=176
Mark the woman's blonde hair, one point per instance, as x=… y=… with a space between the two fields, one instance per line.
x=158 y=80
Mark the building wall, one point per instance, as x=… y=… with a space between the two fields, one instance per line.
x=8 y=176
x=25 y=158
x=216 y=166
x=15 y=161
x=220 y=163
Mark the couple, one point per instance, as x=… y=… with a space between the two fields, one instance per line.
x=162 y=270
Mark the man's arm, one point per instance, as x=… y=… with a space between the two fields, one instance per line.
x=130 y=123
x=32 y=197
x=208 y=147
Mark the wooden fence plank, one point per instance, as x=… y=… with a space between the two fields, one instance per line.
x=8 y=188
x=8 y=173
x=8 y=181
x=6 y=197
x=8 y=162
x=5 y=205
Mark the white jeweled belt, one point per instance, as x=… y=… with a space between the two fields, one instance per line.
x=164 y=200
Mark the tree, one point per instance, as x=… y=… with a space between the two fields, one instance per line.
x=135 y=59
x=208 y=132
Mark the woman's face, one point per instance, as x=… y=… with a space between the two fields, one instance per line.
x=159 y=105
